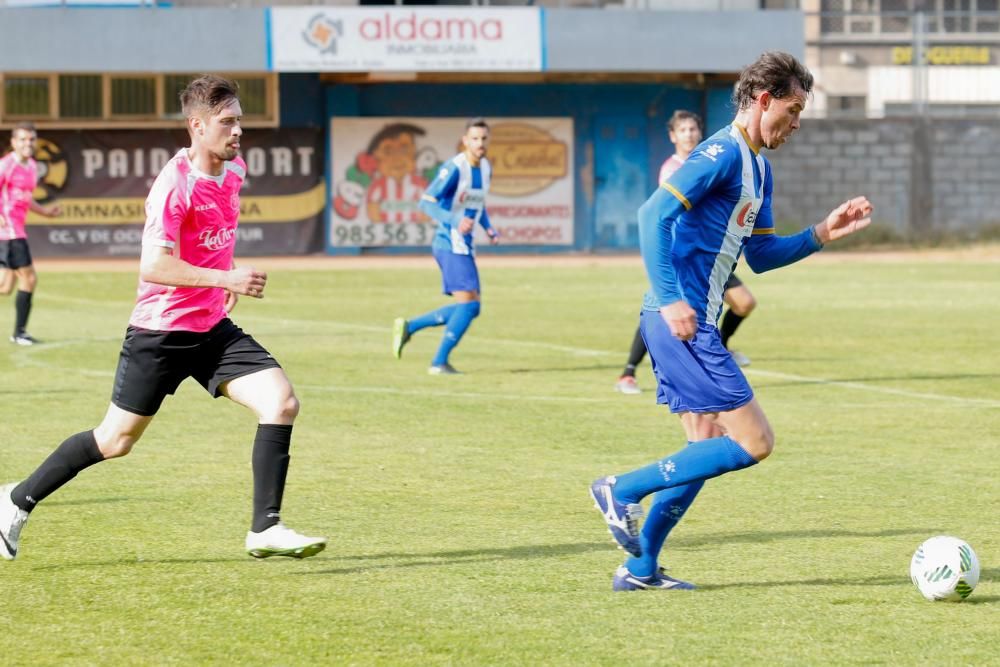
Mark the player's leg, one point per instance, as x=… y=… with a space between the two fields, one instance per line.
x=27 y=281
x=145 y=375
x=245 y=373
x=7 y=277
x=626 y=383
x=665 y=512
x=403 y=329
x=467 y=308
x=741 y=303
x=114 y=437
x=693 y=376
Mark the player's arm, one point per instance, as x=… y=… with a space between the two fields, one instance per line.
x=158 y=265
x=50 y=211
x=766 y=250
x=484 y=221
x=231 y=297
x=440 y=190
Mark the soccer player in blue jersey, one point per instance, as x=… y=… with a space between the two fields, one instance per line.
x=692 y=231
x=457 y=200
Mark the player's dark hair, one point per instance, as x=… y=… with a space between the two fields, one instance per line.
x=208 y=93
x=775 y=72
x=682 y=115
x=391 y=131
x=25 y=125
x=478 y=121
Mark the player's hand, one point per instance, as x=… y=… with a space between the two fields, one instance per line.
x=3 y=222
x=494 y=237
x=851 y=216
x=680 y=317
x=465 y=226
x=52 y=210
x=246 y=280
x=231 y=299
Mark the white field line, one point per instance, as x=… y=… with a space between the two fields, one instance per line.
x=577 y=351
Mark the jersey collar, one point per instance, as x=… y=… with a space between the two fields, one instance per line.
x=746 y=137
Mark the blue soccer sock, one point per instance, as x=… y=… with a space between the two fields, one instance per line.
x=667 y=509
x=458 y=324
x=698 y=461
x=435 y=318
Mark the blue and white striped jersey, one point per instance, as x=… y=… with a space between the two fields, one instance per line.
x=698 y=223
x=458 y=191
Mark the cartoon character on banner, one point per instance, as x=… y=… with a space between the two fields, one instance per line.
x=389 y=177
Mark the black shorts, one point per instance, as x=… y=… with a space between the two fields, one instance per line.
x=732 y=282
x=153 y=364
x=15 y=254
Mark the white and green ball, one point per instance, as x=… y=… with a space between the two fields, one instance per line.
x=945 y=568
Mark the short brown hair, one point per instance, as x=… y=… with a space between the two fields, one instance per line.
x=25 y=125
x=681 y=115
x=478 y=121
x=208 y=93
x=775 y=72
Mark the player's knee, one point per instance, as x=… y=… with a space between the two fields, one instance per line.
x=284 y=410
x=116 y=445
x=744 y=305
x=761 y=444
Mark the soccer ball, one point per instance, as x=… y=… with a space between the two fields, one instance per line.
x=945 y=568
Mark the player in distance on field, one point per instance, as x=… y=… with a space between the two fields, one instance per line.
x=692 y=231
x=180 y=328
x=18 y=180
x=685 y=131
x=457 y=200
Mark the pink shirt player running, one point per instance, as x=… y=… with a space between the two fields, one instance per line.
x=669 y=166
x=17 y=183
x=194 y=214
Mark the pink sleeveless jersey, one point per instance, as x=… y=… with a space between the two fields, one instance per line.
x=195 y=215
x=17 y=183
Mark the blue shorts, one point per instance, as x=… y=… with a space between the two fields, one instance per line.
x=458 y=272
x=697 y=375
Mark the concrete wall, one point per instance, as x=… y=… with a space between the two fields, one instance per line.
x=925 y=178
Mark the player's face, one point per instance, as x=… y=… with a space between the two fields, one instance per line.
x=476 y=140
x=220 y=133
x=780 y=117
x=23 y=143
x=685 y=135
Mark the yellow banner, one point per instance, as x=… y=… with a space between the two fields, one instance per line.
x=131 y=210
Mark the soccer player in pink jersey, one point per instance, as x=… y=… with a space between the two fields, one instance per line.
x=685 y=131
x=18 y=178
x=180 y=328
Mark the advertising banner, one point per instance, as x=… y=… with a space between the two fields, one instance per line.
x=381 y=167
x=405 y=39
x=101 y=178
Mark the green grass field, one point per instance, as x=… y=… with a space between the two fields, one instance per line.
x=461 y=528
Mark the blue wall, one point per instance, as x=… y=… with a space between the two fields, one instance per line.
x=647 y=104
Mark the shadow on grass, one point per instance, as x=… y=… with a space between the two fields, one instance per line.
x=985 y=575
x=461 y=556
x=561 y=369
x=884 y=378
x=760 y=537
x=96 y=501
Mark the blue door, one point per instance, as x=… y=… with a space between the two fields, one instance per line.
x=621 y=181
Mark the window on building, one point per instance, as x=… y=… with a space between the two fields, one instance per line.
x=133 y=96
x=81 y=96
x=26 y=96
x=846 y=105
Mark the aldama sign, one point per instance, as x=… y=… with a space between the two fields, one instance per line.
x=405 y=39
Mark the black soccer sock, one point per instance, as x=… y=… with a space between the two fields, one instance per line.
x=22 y=304
x=636 y=355
x=270 y=468
x=730 y=322
x=73 y=455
